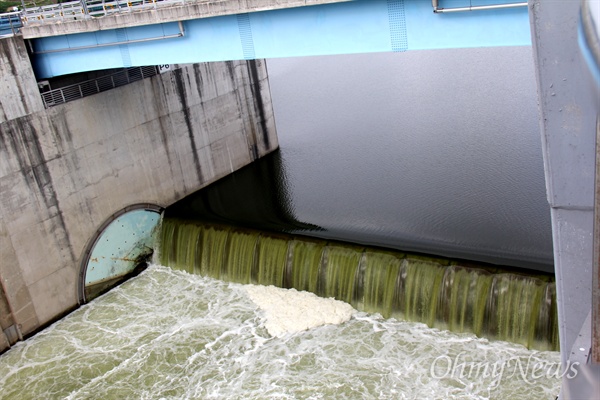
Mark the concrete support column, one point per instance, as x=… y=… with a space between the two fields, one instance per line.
x=568 y=126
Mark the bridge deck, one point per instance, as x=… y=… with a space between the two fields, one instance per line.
x=124 y=14
x=227 y=30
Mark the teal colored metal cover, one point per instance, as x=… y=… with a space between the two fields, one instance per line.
x=126 y=242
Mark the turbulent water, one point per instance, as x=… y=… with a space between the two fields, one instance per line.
x=169 y=334
x=443 y=293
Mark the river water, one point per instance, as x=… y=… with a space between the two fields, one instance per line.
x=168 y=334
x=433 y=151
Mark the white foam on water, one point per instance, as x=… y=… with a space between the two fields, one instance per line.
x=168 y=334
x=290 y=311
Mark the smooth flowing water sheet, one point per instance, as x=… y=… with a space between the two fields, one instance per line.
x=169 y=334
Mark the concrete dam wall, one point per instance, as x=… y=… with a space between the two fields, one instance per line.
x=64 y=171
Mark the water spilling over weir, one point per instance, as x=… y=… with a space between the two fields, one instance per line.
x=488 y=302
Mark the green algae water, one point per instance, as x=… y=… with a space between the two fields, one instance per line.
x=167 y=334
x=421 y=328
x=489 y=303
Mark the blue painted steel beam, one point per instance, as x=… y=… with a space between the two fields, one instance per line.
x=360 y=26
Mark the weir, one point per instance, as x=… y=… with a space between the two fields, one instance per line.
x=488 y=301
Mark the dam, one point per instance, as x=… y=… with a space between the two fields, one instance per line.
x=504 y=237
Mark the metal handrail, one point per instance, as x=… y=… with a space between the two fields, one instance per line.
x=85 y=9
x=87 y=88
x=438 y=10
x=181 y=33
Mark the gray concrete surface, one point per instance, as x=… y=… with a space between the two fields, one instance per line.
x=19 y=93
x=65 y=170
x=180 y=12
x=568 y=128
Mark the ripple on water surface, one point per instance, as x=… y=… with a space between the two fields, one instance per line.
x=167 y=334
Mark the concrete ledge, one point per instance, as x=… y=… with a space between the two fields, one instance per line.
x=199 y=9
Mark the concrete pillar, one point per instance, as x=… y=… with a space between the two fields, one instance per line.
x=568 y=126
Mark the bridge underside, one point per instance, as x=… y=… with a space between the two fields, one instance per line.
x=340 y=28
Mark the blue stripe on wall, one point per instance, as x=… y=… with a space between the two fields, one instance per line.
x=123 y=48
x=243 y=21
x=397 y=19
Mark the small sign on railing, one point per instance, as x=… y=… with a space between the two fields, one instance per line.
x=164 y=68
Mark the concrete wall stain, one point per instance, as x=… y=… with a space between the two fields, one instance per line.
x=199 y=80
x=63 y=139
x=178 y=75
x=6 y=317
x=158 y=90
x=13 y=69
x=20 y=94
x=242 y=101
x=256 y=88
x=34 y=168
